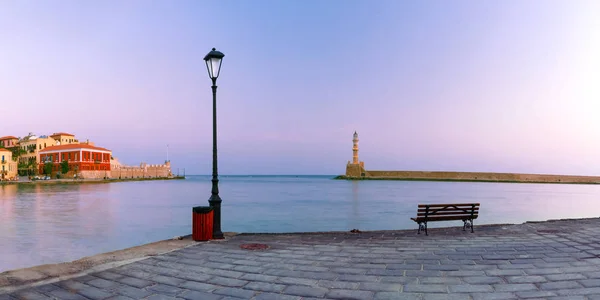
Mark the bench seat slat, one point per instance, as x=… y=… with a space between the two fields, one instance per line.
x=444 y=205
x=442 y=218
x=432 y=210
x=445 y=213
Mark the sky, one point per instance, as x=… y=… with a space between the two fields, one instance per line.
x=489 y=86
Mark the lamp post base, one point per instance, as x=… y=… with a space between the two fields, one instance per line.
x=215 y=203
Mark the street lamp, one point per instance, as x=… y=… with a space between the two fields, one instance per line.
x=213 y=63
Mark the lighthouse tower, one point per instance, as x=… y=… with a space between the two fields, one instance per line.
x=355 y=168
x=355 y=149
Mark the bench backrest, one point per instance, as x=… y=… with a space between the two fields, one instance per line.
x=448 y=211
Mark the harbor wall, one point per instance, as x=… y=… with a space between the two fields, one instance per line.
x=479 y=176
x=123 y=172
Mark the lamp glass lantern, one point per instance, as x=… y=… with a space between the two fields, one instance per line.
x=213 y=63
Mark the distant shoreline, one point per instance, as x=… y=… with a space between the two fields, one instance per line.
x=344 y=177
x=87 y=181
x=354 y=173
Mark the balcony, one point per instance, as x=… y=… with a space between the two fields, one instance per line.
x=3 y=161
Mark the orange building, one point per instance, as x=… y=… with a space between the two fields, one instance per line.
x=8 y=141
x=81 y=157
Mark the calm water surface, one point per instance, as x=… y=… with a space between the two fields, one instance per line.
x=43 y=224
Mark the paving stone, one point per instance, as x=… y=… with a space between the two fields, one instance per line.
x=271 y=296
x=515 y=287
x=357 y=278
x=248 y=269
x=349 y=294
x=198 y=286
x=165 y=289
x=426 y=288
x=535 y=294
x=402 y=280
x=557 y=285
x=344 y=285
x=195 y=295
x=440 y=280
x=66 y=295
x=526 y=279
x=446 y=296
x=396 y=296
x=26 y=295
x=470 y=288
x=380 y=286
x=498 y=272
x=119 y=297
x=592 y=274
x=493 y=296
x=224 y=281
x=167 y=280
x=135 y=282
x=590 y=282
x=265 y=287
x=297 y=281
x=47 y=287
x=305 y=291
x=235 y=292
x=132 y=292
x=94 y=293
x=160 y=297
x=543 y=271
x=465 y=273
x=561 y=277
x=483 y=280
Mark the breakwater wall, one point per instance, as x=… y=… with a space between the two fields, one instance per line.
x=476 y=176
x=119 y=171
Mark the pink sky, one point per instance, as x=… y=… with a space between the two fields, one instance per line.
x=505 y=86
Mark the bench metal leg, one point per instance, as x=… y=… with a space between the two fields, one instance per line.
x=468 y=224
x=422 y=227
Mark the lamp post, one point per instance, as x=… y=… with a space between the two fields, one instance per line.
x=213 y=63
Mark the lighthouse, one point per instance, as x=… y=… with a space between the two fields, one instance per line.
x=355 y=149
x=355 y=168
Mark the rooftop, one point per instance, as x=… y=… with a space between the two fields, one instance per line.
x=72 y=147
x=8 y=137
x=61 y=133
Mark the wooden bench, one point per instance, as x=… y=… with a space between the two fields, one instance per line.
x=466 y=212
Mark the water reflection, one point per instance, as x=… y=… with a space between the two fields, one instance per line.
x=47 y=219
x=354 y=217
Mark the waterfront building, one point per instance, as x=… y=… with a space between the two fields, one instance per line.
x=31 y=145
x=80 y=157
x=8 y=167
x=63 y=138
x=9 y=142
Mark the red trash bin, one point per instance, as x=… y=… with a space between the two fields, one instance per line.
x=202 y=223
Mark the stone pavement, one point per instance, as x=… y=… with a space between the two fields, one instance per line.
x=546 y=260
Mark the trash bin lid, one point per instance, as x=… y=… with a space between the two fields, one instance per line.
x=202 y=209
